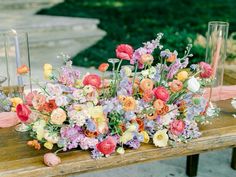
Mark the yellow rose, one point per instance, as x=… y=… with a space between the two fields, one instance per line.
x=182 y=76
x=48 y=145
x=47 y=71
x=15 y=101
x=146 y=137
x=58 y=116
x=160 y=138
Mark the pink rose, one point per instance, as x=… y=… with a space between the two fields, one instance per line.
x=29 y=97
x=93 y=80
x=22 y=112
x=124 y=51
x=206 y=70
x=107 y=146
x=161 y=93
x=51 y=159
x=177 y=127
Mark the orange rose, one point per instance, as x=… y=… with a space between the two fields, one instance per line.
x=146 y=84
x=23 y=69
x=129 y=104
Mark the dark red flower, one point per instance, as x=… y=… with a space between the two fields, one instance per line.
x=50 y=106
x=107 y=146
x=23 y=112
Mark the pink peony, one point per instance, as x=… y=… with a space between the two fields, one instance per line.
x=161 y=93
x=29 y=97
x=177 y=127
x=107 y=146
x=93 y=80
x=124 y=51
x=22 y=112
x=206 y=70
x=51 y=159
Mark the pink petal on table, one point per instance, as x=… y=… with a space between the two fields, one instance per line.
x=8 y=119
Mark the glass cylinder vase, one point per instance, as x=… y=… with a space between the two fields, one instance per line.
x=215 y=55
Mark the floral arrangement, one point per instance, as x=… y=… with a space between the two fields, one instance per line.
x=159 y=103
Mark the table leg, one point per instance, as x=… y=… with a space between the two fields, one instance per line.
x=233 y=160
x=192 y=165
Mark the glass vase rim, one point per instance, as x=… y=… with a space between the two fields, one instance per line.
x=220 y=23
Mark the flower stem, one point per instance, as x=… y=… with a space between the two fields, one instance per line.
x=135 y=72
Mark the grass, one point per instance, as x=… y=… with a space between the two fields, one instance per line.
x=136 y=21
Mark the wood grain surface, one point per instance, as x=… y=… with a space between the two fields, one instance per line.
x=17 y=159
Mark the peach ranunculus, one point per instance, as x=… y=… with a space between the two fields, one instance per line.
x=171 y=58
x=177 y=127
x=175 y=85
x=38 y=101
x=124 y=51
x=147 y=95
x=146 y=59
x=146 y=84
x=23 y=69
x=158 y=104
x=103 y=67
x=58 y=116
x=51 y=159
x=129 y=103
x=93 y=80
x=161 y=93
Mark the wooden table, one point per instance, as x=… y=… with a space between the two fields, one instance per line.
x=17 y=159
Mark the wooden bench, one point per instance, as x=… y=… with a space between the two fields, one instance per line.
x=17 y=159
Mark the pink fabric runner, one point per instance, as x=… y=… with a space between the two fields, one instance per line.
x=8 y=119
x=221 y=93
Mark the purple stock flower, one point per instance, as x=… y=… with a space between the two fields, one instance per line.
x=135 y=144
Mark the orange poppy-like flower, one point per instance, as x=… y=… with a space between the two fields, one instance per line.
x=122 y=127
x=182 y=106
x=152 y=116
x=23 y=69
x=148 y=96
x=129 y=104
x=35 y=144
x=176 y=85
x=171 y=58
x=50 y=106
x=140 y=124
x=103 y=67
x=158 y=104
x=146 y=84
x=90 y=134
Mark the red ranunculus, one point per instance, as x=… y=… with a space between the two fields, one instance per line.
x=124 y=51
x=103 y=67
x=22 y=112
x=177 y=127
x=107 y=146
x=92 y=79
x=161 y=93
x=206 y=70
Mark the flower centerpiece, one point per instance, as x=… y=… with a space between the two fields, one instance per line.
x=159 y=103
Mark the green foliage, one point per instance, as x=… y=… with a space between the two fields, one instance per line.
x=115 y=121
x=137 y=21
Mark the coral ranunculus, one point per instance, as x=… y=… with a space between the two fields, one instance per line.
x=177 y=127
x=176 y=86
x=146 y=84
x=103 y=67
x=124 y=51
x=92 y=79
x=206 y=70
x=22 y=112
x=161 y=93
x=23 y=69
x=107 y=146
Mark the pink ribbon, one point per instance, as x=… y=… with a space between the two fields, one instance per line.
x=221 y=93
x=8 y=119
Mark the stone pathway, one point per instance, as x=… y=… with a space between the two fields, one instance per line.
x=48 y=35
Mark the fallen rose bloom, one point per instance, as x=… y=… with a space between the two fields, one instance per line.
x=107 y=146
x=51 y=159
x=22 y=112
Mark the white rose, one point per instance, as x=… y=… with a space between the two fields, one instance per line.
x=193 y=85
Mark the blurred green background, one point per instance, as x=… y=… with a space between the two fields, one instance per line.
x=136 y=21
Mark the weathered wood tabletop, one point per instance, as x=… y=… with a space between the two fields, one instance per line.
x=17 y=159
